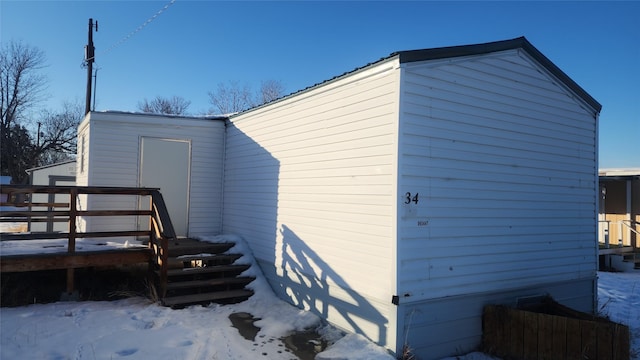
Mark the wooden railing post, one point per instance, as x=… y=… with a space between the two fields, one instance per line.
x=73 y=213
x=71 y=246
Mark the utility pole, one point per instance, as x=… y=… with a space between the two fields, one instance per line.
x=38 y=141
x=89 y=53
x=95 y=87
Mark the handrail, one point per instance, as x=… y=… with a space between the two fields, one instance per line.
x=631 y=225
x=162 y=231
x=619 y=225
x=159 y=233
x=46 y=189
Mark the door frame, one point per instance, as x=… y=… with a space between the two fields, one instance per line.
x=143 y=201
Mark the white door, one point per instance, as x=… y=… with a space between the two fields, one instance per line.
x=165 y=164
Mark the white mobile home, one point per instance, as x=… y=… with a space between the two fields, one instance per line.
x=180 y=155
x=394 y=200
x=398 y=199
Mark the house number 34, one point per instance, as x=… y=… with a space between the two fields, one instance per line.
x=410 y=198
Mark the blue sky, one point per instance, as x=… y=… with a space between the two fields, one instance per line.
x=194 y=45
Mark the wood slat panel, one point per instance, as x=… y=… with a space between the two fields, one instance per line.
x=552 y=331
x=51 y=236
x=45 y=189
x=21 y=263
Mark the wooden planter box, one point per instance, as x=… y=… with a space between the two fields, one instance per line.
x=551 y=331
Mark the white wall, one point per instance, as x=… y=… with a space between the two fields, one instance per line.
x=113 y=154
x=309 y=184
x=82 y=169
x=504 y=161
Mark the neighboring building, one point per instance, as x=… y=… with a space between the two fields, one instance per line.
x=619 y=217
x=4 y=180
x=63 y=173
x=10 y=226
x=396 y=200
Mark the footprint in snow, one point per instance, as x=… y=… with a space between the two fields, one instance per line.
x=126 y=352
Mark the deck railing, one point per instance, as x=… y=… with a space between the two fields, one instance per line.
x=631 y=225
x=603 y=229
x=621 y=239
x=19 y=207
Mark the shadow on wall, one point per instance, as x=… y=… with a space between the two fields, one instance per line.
x=252 y=193
x=250 y=198
x=310 y=282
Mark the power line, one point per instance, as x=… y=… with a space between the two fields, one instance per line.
x=137 y=30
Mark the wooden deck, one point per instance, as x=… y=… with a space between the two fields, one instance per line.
x=602 y=250
x=69 y=256
x=51 y=261
x=184 y=271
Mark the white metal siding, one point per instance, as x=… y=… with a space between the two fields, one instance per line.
x=438 y=328
x=82 y=168
x=503 y=158
x=309 y=184
x=114 y=160
x=82 y=156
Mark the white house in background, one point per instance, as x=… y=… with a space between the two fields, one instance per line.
x=181 y=155
x=620 y=206
x=61 y=174
x=397 y=199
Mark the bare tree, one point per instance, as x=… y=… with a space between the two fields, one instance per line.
x=57 y=139
x=175 y=105
x=233 y=97
x=17 y=153
x=21 y=88
x=270 y=90
x=21 y=83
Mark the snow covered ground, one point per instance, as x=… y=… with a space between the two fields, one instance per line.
x=135 y=328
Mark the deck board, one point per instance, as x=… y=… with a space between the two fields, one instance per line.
x=37 y=262
x=47 y=260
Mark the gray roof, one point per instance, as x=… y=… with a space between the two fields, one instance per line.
x=619 y=174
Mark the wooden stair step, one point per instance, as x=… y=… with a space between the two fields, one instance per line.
x=207 y=270
x=206 y=297
x=209 y=282
x=205 y=257
x=180 y=248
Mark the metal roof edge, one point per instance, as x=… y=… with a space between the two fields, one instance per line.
x=490 y=47
x=314 y=86
x=50 y=165
x=605 y=172
x=170 y=116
